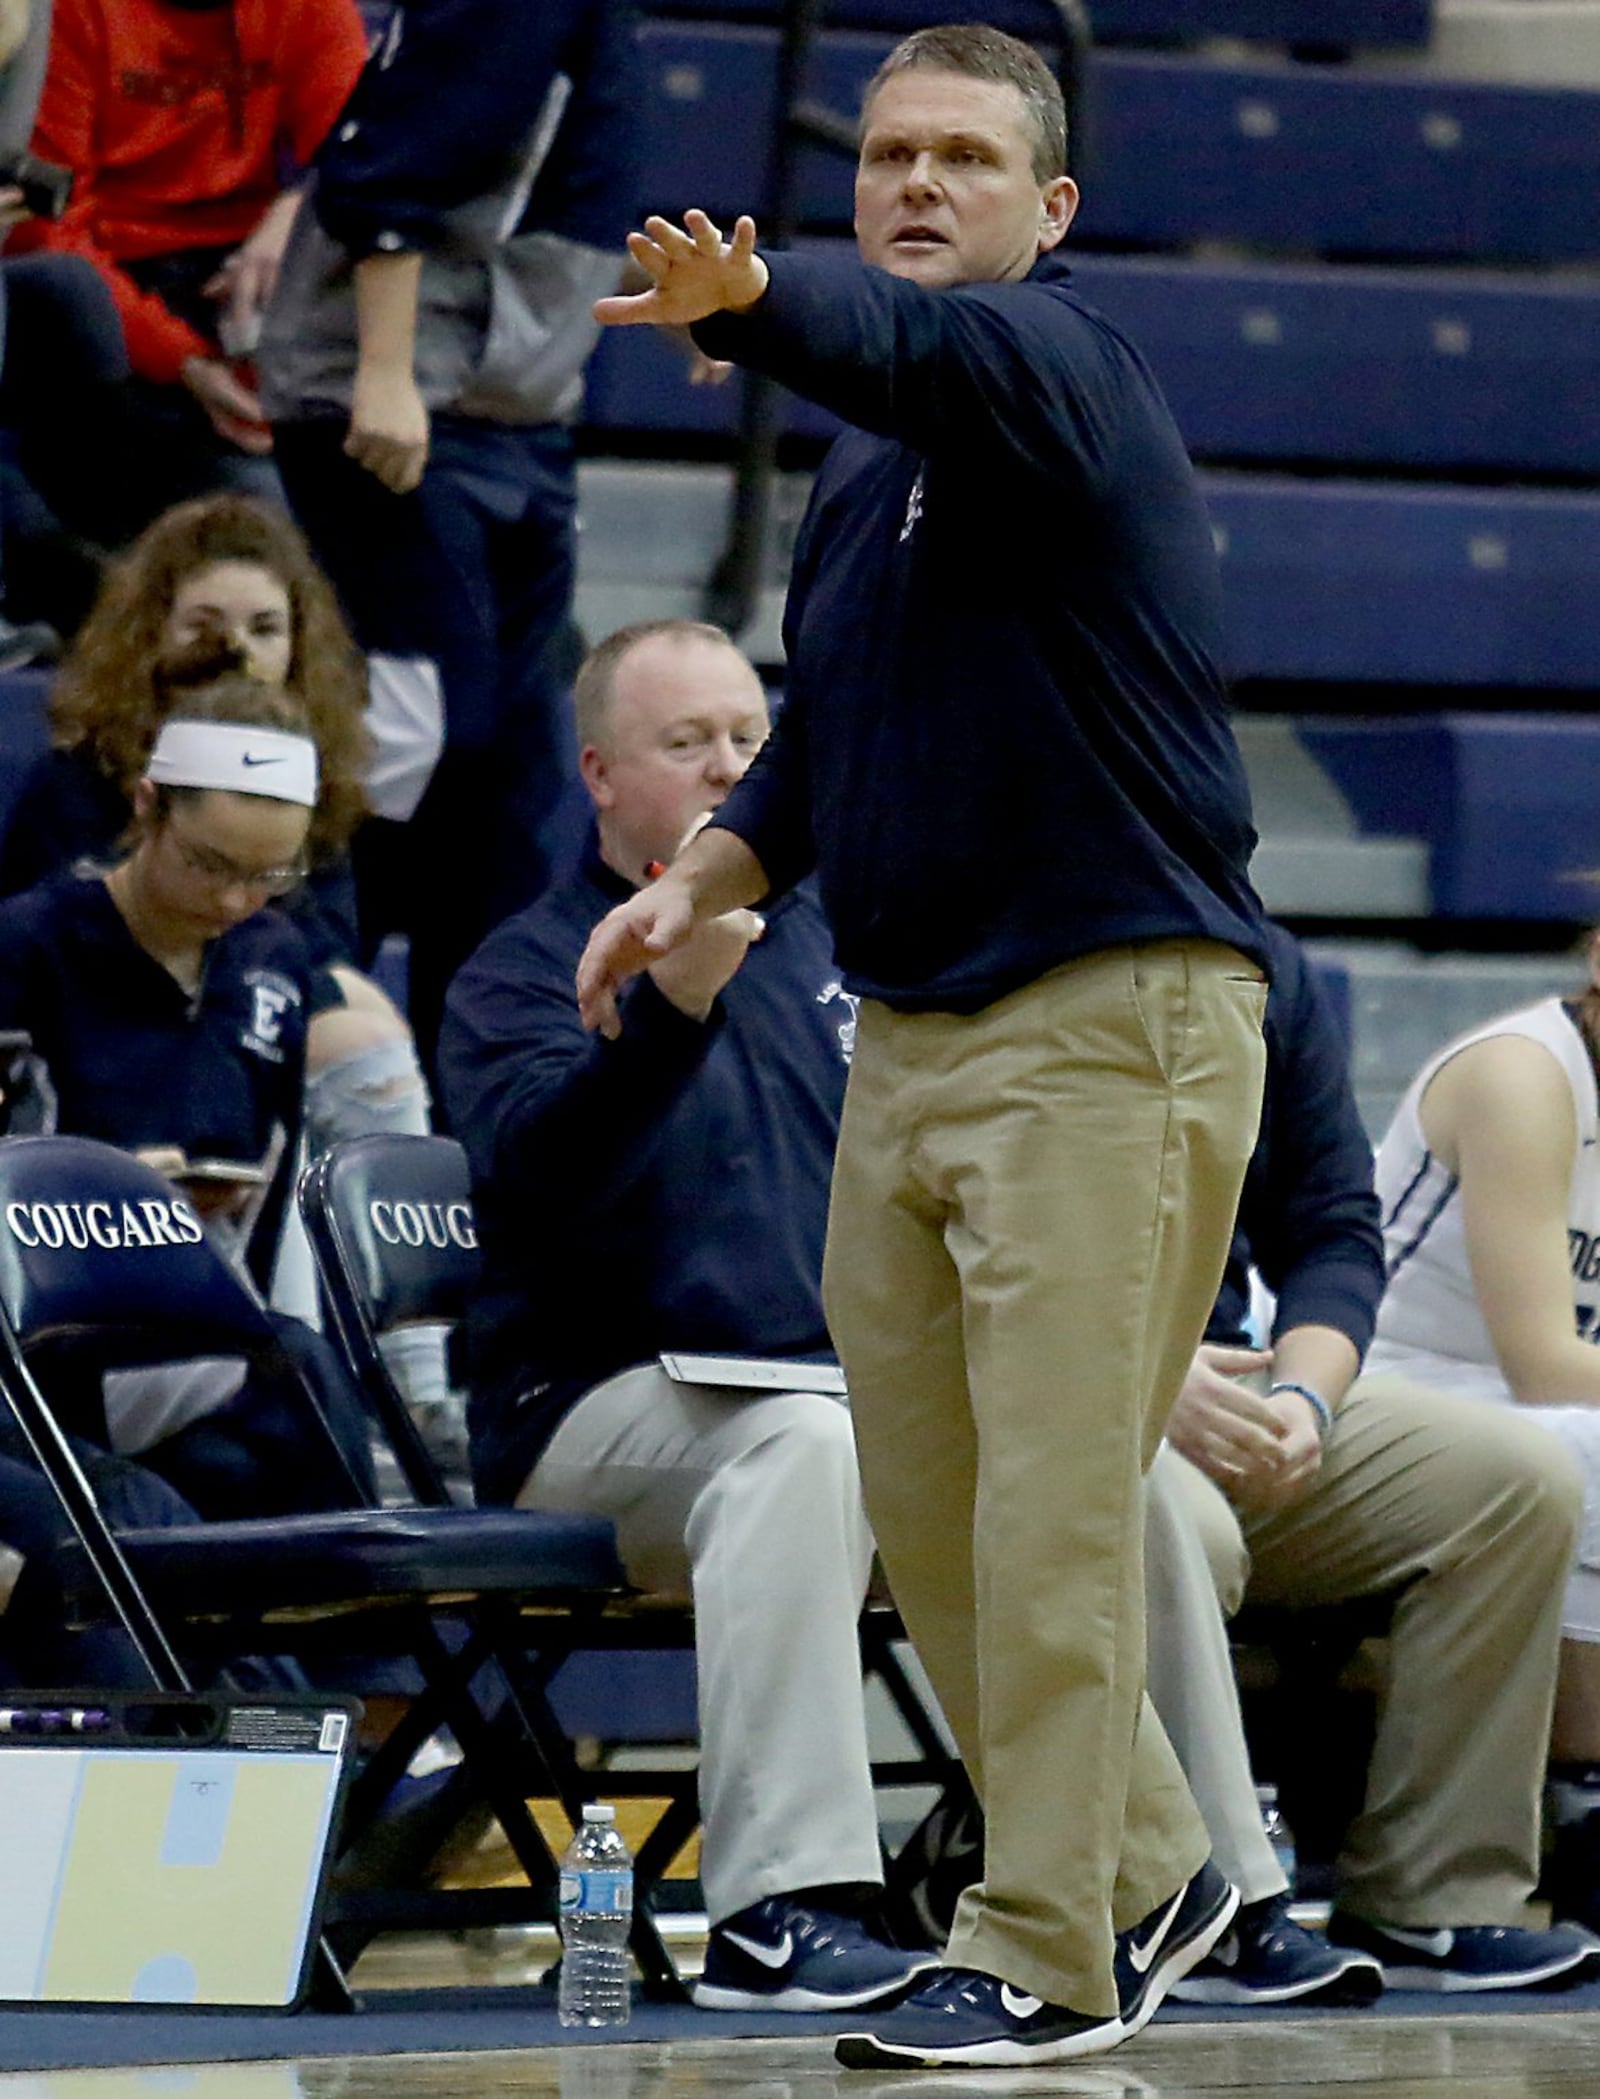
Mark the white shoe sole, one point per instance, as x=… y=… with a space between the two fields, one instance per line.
x=864 y=2051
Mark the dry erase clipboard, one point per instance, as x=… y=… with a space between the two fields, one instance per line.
x=753 y=1373
x=166 y=1851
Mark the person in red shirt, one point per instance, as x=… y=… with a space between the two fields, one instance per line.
x=182 y=122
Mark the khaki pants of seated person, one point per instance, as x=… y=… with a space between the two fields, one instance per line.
x=749 y=1502
x=1031 y=1209
x=1470 y=1514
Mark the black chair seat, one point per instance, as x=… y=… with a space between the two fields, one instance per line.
x=295 y=1562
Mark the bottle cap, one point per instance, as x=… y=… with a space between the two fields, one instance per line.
x=597 y=1811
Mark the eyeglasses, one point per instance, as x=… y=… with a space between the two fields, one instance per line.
x=219 y=872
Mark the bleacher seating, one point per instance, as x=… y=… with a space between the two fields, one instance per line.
x=1316 y=858
x=1272 y=361
x=1306 y=159
x=1506 y=803
x=1421 y=369
x=1346 y=581
x=1408 y=583
x=1317 y=22
x=1311 y=159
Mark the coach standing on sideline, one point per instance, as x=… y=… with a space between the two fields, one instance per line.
x=1005 y=748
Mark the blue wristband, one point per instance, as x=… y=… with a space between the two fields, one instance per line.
x=1314 y=1400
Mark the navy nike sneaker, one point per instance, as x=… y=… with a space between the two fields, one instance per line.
x=1164 y=1946
x=1467 y=1957
x=786 y=1956
x=958 y=2016
x=1266 y=1958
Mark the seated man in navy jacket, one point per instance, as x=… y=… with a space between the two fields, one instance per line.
x=668 y=1192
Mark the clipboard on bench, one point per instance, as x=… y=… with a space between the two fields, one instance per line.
x=754 y=1373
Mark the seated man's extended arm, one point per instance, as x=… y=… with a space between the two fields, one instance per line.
x=716 y=873
x=540 y=1103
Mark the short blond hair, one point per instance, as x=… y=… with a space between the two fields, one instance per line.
x=981 y=52
x=596 y=682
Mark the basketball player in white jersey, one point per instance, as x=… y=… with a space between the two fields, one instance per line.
x=1489 y=1178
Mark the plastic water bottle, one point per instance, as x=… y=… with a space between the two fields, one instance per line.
x=1279 y=1835
x=596 y=1911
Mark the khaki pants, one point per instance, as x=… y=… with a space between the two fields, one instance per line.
x=1031 y=1209
x=1471 y=1513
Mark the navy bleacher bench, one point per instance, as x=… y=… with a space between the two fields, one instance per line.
x=1403 y=583
x=1403 y=368
x=1506 y=802
x=1320 y=22
x=1310 y=159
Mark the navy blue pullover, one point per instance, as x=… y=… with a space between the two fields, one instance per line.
x=136 y=1060
x=1308 y=1216
x=442 y=114
x=496 y=139
x=665 y=1191
x=1005 y=740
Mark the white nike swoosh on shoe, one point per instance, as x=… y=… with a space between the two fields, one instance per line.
x=1141 y=1956
x=778 y=1956
x=1019 y=2006
x=1438 y=1943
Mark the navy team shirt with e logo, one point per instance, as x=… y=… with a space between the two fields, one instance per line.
x=134 y=1059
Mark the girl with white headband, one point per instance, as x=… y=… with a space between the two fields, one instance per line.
x=168 y=1004
x=229 y=583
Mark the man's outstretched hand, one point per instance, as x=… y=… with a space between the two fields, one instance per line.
x=693 y=272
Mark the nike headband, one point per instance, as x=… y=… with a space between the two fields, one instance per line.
x=237 y=759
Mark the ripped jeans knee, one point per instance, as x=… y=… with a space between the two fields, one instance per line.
x=378 y=1091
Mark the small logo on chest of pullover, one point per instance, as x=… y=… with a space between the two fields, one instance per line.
x=913 y=508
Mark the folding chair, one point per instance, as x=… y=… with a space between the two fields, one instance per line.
x=102 y=1266
x=390 y=1223
x=391 y=1227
